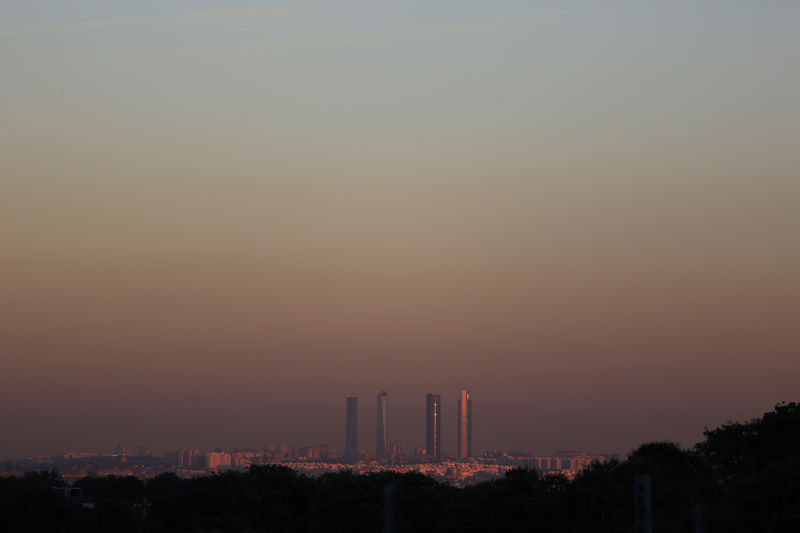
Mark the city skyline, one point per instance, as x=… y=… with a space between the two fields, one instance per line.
x=216 y=221
x=433 y=426
x=308 y=460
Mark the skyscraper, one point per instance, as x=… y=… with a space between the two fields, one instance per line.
x=382 y=427
x=464 y=424
x=433 y=417
x=351 y=430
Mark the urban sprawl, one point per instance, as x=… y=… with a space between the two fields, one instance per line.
x=460 y=469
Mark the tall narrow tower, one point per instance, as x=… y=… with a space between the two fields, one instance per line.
x=433 y=418
x=464 y=424
x=382 y=427
x=351 y=430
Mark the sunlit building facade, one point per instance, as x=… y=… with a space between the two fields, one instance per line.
x=382 y=426
x=433 y=417
x=464 y=424
x=217 y=460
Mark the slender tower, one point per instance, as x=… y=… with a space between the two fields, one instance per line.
x=382 y=427
x=433 y=417
x=464 y=424
x=351 y=430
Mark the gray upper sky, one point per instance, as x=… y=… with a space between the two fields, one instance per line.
x=379 y=87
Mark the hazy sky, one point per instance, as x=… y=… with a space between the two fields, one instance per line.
x=217 y=219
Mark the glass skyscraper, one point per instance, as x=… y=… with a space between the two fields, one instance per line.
x=351 y=430
x=464 y=424
x=433 y=417
x=382 y=427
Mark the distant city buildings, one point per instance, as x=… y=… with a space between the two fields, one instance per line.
x=185 y=459
x=461 y=468
x=217 y=460
x=457 y=471
x=396 y=451
x=382 y=426
x=351 y=429
x=308 y=453
x=464 y=424
x=315 y=461
x=325 y=450
x=284 y=451
x=433 y=426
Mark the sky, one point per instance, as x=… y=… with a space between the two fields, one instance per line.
x=218 y=219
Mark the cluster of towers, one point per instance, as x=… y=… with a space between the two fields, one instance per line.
x=433 y=426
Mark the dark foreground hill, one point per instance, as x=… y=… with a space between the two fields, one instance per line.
x=744 y=477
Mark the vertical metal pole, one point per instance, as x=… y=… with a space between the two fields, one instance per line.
x=699 y=519
x=642 y=504
x=389 y=508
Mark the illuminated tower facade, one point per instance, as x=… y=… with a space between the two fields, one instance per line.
x=464 y=424
x=433 y=416
x=351 y=430
x=382 y=427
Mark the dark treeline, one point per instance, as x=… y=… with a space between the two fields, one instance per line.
x=742 y=477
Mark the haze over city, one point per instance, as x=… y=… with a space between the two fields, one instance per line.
x=216 y=222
